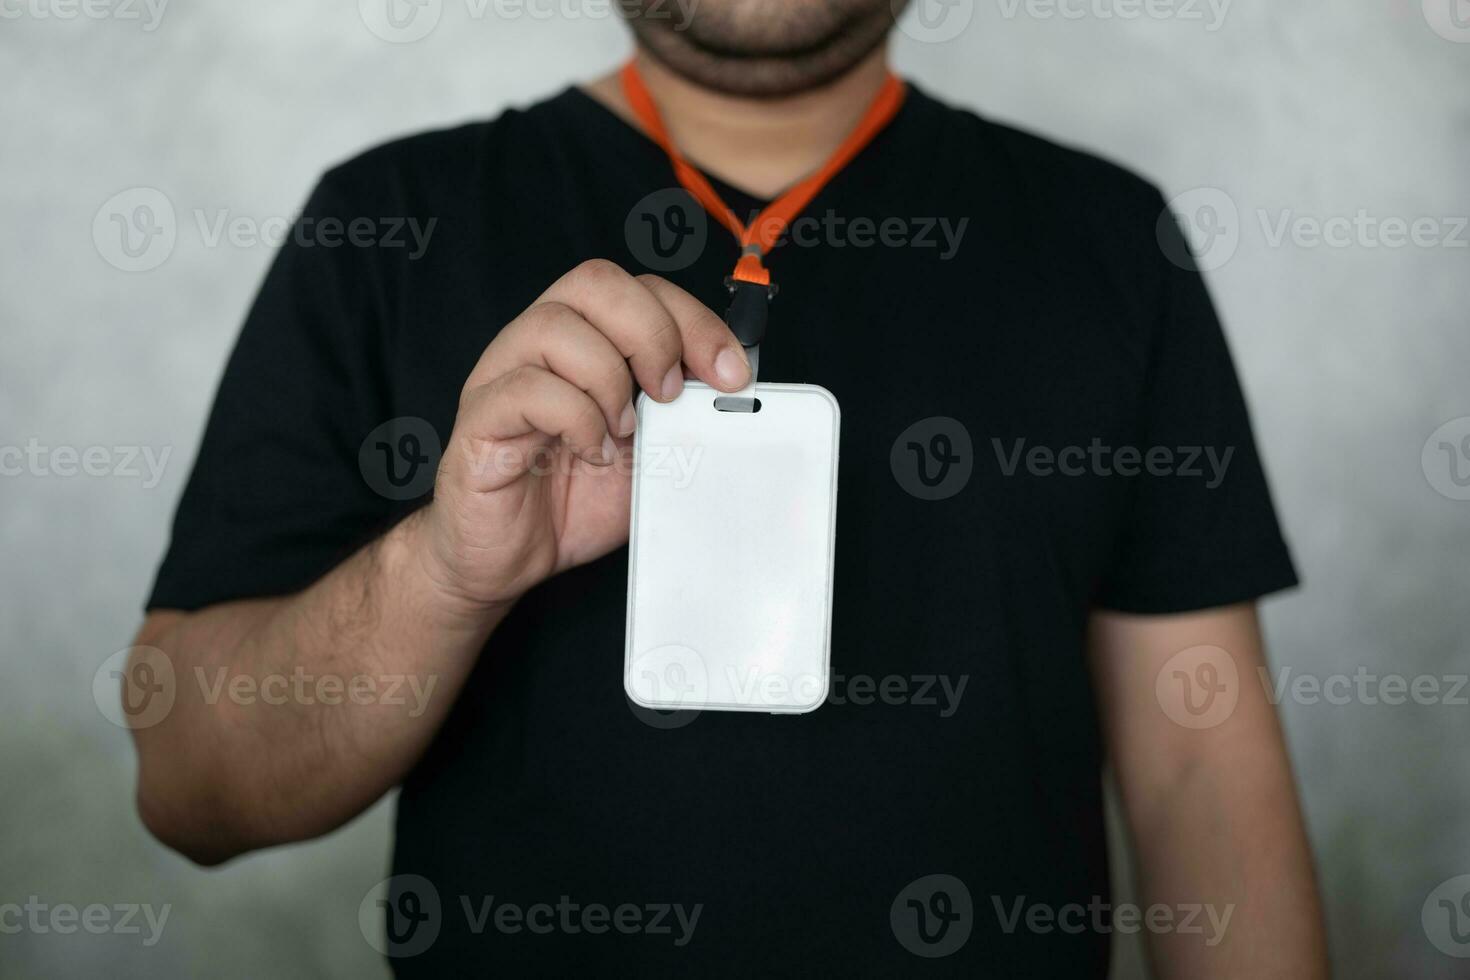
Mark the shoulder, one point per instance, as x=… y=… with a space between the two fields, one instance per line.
x=1070 y=173
x=1066 y=201
x=445 y=164
x=1068 y=214
x=1051 y=175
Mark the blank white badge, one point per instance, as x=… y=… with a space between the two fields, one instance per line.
x=730 y=554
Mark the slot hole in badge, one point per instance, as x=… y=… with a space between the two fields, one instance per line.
x=734 y=403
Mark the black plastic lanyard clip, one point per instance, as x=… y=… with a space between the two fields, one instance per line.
x=750 y=308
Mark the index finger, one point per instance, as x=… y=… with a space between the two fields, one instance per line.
x=710 y=349
x=655 y=325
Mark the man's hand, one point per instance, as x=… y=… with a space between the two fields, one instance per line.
x=528 y=487
x=1206 y=785
x=525 y=490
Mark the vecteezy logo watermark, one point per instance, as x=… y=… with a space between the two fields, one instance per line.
x=1446 y=459
x=406 y=21
x=756 y=686
x=933 y=458
x=222 y=226
x=676 y=674
x=678 y=12
x=663 y=682
x=1450 y=19
x=571 y=918
x=135 y=230
x=138 y=229
x=666 y=230
x=675 y=464
x=829 y=228
x=148 y=12
x=302 y=688
x=933 y=21
x=1362 y=229
x=1198 y=687
x=932 y=916
x=1446 y=917
x=1102 y=917
x=400 y=458
x=401 y=917
x=1209 y=12
x=1097 y=459
x=135 y=688
x=119 y=462
x=941 y=691
x=138 y=687
x=1365 y=687
x=64 y=919
x=400 y=21
x=1199 y=229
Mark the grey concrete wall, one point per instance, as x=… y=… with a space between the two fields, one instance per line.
x=1355 y=354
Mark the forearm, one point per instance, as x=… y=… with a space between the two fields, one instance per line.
x=1223 y=843
x=292 y=715
x=1217 y=830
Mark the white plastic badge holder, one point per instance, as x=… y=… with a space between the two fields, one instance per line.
x=731 y=547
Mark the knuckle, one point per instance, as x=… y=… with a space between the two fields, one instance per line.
x=518 y=381
x=616 y=381
x=547 y=317
x=663 y=337
x=588 y=420
x=597 y=273
x=474 y=397
x=710 y=326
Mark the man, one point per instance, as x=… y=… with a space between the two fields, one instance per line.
x=1013 y=580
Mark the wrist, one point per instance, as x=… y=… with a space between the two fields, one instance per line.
x=411 y=561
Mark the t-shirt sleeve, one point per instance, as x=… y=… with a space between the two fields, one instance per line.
x=1202 y=535
x=276 y=498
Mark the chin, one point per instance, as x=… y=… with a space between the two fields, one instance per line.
x=761 y=48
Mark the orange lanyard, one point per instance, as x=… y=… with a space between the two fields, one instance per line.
x=768 y=227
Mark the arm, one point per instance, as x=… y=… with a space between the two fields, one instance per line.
x=222 y=775
x=526 y=488
x=1212 y=809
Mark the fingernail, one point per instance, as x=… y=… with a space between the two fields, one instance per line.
x=628 y=422
x=609 y=449
x=673 y=382
x=731 y=369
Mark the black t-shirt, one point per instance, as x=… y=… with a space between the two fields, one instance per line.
x=1000 y=397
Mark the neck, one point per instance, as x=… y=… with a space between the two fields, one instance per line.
x=762 y=145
